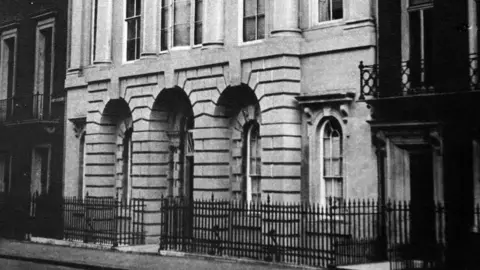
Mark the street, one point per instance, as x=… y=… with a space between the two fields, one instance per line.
x=26 y=265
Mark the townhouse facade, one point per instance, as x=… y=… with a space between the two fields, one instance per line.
x=423 y=95
x=247 y=100
x=32 y=74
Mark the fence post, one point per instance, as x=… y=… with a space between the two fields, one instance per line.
x=163 y=225
x=115 y=221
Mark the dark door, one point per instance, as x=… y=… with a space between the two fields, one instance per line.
x=422 y=201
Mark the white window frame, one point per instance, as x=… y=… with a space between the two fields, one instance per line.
x=49 y=157
x=12 y=33
x=39 y=84
x=240 y=24
x=315 y=16
x=247 y=160
x=125 y=33
x=170 y=26
x=321 y=157
x=93 y=32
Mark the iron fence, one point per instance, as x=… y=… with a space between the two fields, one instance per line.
x=106 y=221
x=345 y=233
x=416 y=77
x=298 y=233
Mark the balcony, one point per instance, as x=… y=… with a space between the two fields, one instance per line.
x=415 y=78
x=25 y=108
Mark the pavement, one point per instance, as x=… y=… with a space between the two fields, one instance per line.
x=77 y=255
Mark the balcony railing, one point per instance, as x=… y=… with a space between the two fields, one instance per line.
x=25 y=107
x=416 y=78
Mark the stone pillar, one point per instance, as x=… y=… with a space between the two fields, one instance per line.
x=149 y=28
x=76 y=36
x=213 y=28
x=103 y=50
x=285 y=18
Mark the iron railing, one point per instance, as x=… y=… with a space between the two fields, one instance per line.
x=297 y=233
x=416 y=235
x=105 y=221
x=25 y=107
x=416 y=78
x=350 y=232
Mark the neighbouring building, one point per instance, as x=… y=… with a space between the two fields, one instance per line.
x=423 y=94
x=33 y=53
x=243 y=99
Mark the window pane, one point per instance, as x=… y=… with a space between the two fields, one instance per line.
x=198 y=33
x=138 y=8
x=164 y=40
x=198 y=10
x=182 y=23
x=131 y=49
x=327 y=149
x=336 y=151
x=250 y=8
x=137 y=48
x=323 y=10
x=130 y=8
x=249 y=29
x=261 y=6
x=198 y=22
x=327 y=164
x=182 y=12
x=261 y=27
x=336 y=167
x=338 y=189
x=181 y=35
x=328 y=188
x=337 y=9
x=131 y=29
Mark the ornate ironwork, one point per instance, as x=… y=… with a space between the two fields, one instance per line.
x=368 y=80
x=474 y=72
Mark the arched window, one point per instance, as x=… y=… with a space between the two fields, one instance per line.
x=252 y=163
x=127 y=164
x=332 y=161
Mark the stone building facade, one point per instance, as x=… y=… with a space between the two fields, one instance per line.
x=240 y=99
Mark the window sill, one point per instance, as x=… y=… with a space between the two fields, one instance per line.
x=252 y=42
x=326 y=24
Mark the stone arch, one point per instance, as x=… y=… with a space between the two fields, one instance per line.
x=240 y=108
x=116 y=120
x=171 y=125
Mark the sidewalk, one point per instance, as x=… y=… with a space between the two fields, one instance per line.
x=126 y=259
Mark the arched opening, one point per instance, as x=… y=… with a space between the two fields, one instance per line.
x=173 y=123
x=331 y=158
x=116 y=122
x=240 y=107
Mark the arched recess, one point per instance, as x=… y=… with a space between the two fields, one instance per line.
x=171 y=127
x=327 y=170
x=240 y=107
x=116 y=123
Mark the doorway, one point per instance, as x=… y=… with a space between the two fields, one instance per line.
x=422 y=206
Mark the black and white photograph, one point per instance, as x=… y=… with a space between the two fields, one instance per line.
x=240 y=134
